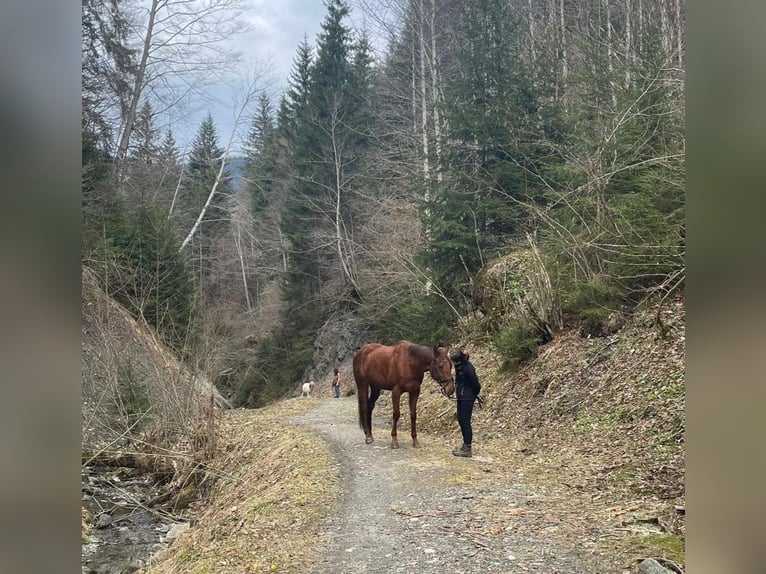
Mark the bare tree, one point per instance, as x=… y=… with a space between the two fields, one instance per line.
x=249 y=96
x=181 y=50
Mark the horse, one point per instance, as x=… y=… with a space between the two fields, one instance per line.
x=399 y=369
x=308 y=388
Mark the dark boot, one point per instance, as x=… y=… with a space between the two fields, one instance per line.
x=464 y=451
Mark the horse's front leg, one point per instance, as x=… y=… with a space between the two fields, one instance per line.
x=413 y=417
x=396 y=394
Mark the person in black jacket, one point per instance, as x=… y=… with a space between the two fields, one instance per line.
x=468 y=388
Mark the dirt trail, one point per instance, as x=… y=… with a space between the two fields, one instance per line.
x=423 y=510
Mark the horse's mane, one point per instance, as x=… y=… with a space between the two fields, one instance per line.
x=420 y=352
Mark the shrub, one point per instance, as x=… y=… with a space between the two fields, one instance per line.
x=516 y=343
x=131 y=396
x=590 y=305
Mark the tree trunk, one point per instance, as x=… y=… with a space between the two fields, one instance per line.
x=423 y=97
x=610 y=54
x=242 y=266
x=249 y=96
x=665 y=27
x=435 y=93
x=532 y=52
x=563 y=43
x=130 y=119
x=628 y=44
x=339 y=190
x=679 y=36
x=413 y=52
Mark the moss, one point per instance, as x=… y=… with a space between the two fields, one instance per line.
x=669 y=546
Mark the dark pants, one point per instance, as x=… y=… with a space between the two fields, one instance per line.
x=464 y=412
x=336 y=391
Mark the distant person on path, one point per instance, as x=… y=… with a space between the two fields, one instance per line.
x=336 y=384
x=468 y=388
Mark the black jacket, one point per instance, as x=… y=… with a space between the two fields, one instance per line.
x=466 y=381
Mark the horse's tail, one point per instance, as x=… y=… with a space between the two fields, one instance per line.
x=362 y=388
x=362 y=394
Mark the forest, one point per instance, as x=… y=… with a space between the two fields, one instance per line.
x=501 y=170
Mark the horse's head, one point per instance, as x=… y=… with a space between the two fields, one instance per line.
x=441 y=372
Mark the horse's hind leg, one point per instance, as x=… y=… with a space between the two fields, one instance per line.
x=374 y=394
x=396 y=394
x=364 y=410
x=413 y=417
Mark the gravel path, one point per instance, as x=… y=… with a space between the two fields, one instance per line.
x=403 y=511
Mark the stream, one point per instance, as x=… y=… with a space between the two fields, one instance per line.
x=125 y=534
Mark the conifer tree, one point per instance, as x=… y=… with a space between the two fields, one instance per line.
x=492 y=108
x=145 y=145
x=299 y=85
x=204 y=164
x=327 y=144
x=260 y=152
x=168 y=159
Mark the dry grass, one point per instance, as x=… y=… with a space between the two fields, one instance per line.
x=276 y=483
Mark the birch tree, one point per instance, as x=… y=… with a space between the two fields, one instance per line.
x=181 y=49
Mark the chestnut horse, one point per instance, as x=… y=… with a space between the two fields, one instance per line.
x=398 y=369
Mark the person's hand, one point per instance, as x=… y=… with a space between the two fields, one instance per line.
x=480 y=400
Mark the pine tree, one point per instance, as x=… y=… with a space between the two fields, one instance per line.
x=297 y=94
x=168 y=160
x=327 y=147
x=260 y=154
x=154 y=282
x=492 y=110
x=145 y=145
x=204 y=164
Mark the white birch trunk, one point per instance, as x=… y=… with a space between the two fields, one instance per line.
x=628 y=44
x=413 y=51
x=532 y=52
x=563 y=40
x=610 y=54
x=130 y=119
x=339 y=238
x=679 y=36
x=435 y=93
x=665 y=27
x=242 y=266
x=250 y=94
x=209 y=200
x=423 y=98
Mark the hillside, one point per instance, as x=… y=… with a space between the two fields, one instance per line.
x=131 y=384
x=595 y=427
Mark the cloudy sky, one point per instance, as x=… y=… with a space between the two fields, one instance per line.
x=276 y=28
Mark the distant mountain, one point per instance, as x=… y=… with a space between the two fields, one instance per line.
x=236 y=165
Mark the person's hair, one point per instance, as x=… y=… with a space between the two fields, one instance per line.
x=336 y=371
x=458 y=357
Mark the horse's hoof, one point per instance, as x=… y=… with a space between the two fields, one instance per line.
x=394 y=445
x=415 y=445
x=368 y=440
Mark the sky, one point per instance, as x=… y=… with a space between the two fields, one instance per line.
x=276 y=28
